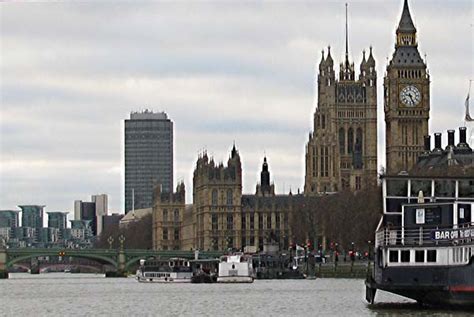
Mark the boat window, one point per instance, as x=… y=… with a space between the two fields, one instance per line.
x=393 y=256
x=405 y=256
x=423 y=185
x=445 y=188
x=431 y=255
x=420 y=256
x=466 y=188
x=397 y=187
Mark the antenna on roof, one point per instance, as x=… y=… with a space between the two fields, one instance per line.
x=347 y=41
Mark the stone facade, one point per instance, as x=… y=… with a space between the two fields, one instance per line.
x=168 y=213
x=406 y=99
x=221 y=217
x=341 y=152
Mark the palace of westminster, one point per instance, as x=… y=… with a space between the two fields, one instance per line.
x=341 y=153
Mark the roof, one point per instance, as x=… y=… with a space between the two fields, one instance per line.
x=407 y=56
x=135 y=215
x=406 y=23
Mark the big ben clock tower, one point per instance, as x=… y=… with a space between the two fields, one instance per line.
x=406 y=99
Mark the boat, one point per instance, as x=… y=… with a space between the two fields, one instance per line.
x=235 y=268
x=174 y=270
x=424 y=242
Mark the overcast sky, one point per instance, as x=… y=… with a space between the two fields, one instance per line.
x=71 y=72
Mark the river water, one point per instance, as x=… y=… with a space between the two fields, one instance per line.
x=59 y=294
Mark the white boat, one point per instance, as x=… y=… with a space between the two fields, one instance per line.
x=174 y=270
x=236 y=268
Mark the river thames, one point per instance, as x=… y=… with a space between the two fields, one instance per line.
x=59 y=294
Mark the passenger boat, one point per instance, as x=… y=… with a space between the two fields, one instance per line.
x=174 y=270
x=424 y=243
x=236 y=268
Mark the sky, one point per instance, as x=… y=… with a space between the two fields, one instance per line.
x=224 y=71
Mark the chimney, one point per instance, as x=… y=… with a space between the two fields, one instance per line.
x=450 y=140
x=437 y=147
x=463 y=146
x=462 y=135
x=427 y=143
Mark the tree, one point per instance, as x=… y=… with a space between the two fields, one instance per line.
x=138 y=235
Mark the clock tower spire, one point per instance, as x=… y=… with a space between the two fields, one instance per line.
x=406 y=99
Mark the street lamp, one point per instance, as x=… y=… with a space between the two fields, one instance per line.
x=121 y=240
x=110 y=240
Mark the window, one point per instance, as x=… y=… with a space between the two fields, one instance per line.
x=165 y=234
x=269 y=221
x=229 y=197
x=420 y=256
x=342 y=141
x=214 y=197
x=323 y=122
x=431 y=256
x=405 y=256
x=277 y=220
x=176 y=215
x=243 y=221
x=423 y=185
x=393 y=256
x=260 y=221
x=252 y=221
x=176 y=234
x=243 y=243
x=214 y=222
x=350 y=141
x=445 y=188
x=358 y=183
x=165 y=214
x=397 y=187
x=252 y=240
x=360 y=139
x=285 y=220
x=230 y=222
x=466 y=188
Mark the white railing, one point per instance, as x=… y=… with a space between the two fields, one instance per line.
x=425 y=236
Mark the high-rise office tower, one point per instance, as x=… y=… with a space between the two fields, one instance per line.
x=101 y=210
x=148 y=157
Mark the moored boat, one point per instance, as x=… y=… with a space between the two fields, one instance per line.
x=174 y=270
x=235 y=268
x=424 y=243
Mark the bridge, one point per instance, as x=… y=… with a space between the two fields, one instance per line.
x=120 y=259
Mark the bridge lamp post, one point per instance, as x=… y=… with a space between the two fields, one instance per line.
x=110 y=240
x=121 y=240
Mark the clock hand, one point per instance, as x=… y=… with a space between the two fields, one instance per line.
x=411 y=98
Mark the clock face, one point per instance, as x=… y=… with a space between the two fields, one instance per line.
x=410 y=96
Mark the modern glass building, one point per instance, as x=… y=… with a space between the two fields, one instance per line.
x=57 y=220
x=9 y=219
x=32 y=216
x=148 y=157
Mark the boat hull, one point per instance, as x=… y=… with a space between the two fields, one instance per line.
x=162 y=280
x=440 y=285
x=235 y=279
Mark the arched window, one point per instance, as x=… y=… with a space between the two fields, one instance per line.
x=350 y=141
x=230 y=200
x=359 y=138
x=342 y=141
x=214 y=197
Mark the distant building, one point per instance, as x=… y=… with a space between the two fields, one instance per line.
x=32 y=216
x=406 y=99
x=9 y=218
x=92 y=211
x=111 y=221
x=57 y=220
x=148 y=157
x=134 y=216
x=101 y=210
x=221 y=217
x=341 y=152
